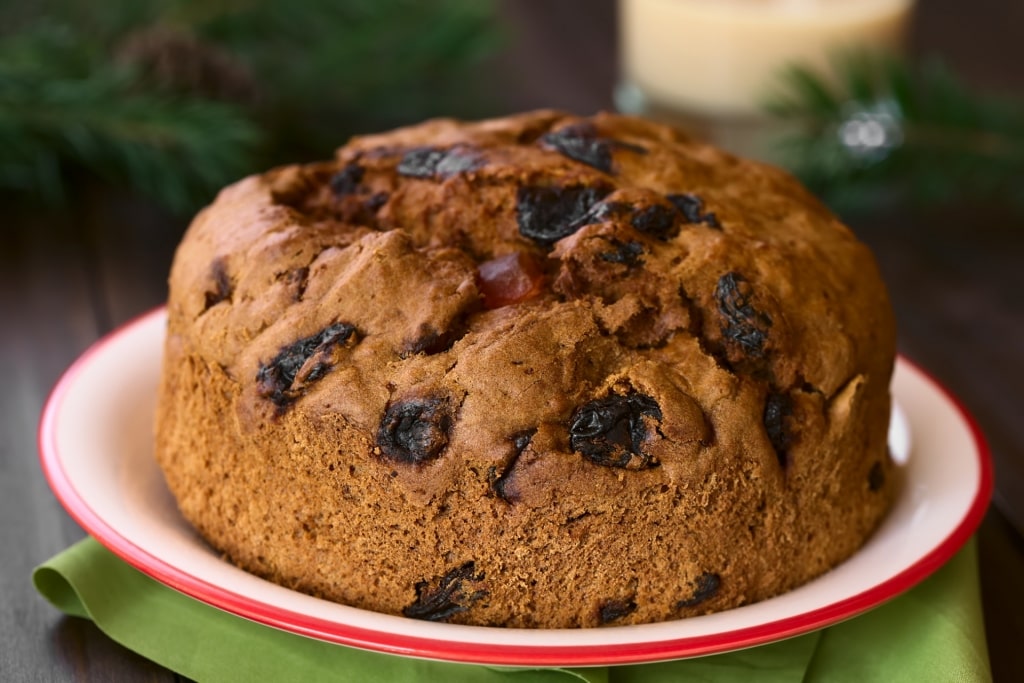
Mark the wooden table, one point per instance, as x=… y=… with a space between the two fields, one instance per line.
x=67 y=277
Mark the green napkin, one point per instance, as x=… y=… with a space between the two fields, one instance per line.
x=933 y=633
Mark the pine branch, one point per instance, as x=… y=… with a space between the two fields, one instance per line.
x=345 y=66
x=178 y=97
x=885 y=128
x=58 y=109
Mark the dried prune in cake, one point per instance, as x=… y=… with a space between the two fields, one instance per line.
x=430 y=340
x=656 y=220
x=611 y=431
x=705 y=587
x=415 y=430
x=606 y=210
x=626 y=253
x=510 y=279
x=447 y=595
x=439 y=163
x=876 y=477
x=741 y=323
x=692 y=208
x=421 y=162
x=346 y=181
x=546 y=214
x=375 y=201
x=301 y=363
x=499 y=481
x=611 y=610
x=296 y=279
x=581 y=143
x=221 y=281
x=777 y=408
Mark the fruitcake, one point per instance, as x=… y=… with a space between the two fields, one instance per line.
x=542 y=371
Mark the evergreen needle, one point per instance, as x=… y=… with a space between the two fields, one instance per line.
x=882 y=127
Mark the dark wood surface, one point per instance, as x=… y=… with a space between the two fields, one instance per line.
x=67 y=277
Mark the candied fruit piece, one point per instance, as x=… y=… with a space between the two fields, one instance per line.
x=704 y=588
x=611 y=431
x=742 y=323
x=547 y=214
x=510 y=279
x=692 y=208
x=446 y=595
x=276 y=380
x=437 y=162
x=415 y=430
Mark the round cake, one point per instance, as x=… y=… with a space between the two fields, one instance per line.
x=541 y=371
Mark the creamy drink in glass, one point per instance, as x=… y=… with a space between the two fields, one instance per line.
x=709 y=65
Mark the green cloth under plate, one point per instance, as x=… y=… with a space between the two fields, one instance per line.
x=932 y=633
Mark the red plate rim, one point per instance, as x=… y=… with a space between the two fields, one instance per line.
x=488 y=653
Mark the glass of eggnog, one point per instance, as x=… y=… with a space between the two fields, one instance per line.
x=710 y=65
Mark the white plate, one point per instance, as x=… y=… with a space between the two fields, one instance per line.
x=96 y=446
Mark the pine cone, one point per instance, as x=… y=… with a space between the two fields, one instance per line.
x=180 y=61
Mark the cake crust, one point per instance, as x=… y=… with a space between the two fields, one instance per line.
x=541 y=371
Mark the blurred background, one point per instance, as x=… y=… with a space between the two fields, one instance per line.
x=868 y=101
x=118 y=120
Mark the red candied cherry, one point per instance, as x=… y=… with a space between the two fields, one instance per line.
x=510 y=279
